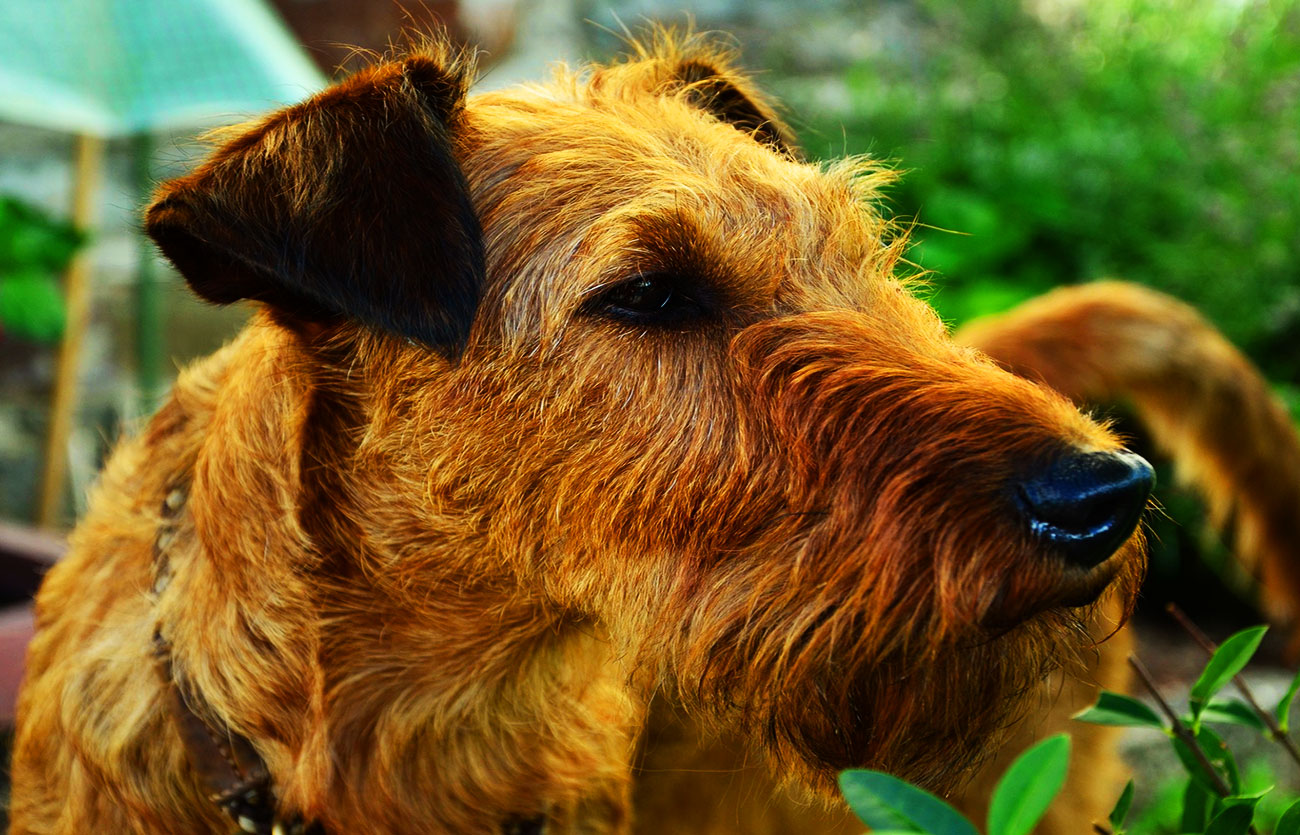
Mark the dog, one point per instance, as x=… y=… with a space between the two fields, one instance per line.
x=583 y=434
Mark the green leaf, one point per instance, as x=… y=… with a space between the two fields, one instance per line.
x=1120 y=812
x=1289 y=822
x=1197 y=803
x=1227 y=661
x=1028 y=787
x=1220 y=758
x=1232 y=712
x=1233 y=820
x=1193 y=768
x=1283 y=709
x=1115 y=709
x=1250 y=798
x=885 y=802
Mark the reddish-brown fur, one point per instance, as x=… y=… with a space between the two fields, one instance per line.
x=455 y=533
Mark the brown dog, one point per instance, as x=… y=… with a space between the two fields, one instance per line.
x=560 y=399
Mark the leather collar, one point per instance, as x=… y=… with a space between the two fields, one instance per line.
x=232 y=772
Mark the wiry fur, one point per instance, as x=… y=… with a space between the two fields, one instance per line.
x=443 y=576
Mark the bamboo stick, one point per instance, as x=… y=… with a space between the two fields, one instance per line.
x=85 y=200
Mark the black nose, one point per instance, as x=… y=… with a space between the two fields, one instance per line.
x=1086 y=504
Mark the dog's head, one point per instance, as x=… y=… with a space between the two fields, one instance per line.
x=631 y=360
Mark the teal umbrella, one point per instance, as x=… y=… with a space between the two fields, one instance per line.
x=117 y=67
x=111 y=68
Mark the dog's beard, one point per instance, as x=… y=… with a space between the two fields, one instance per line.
x=882 y=644
x=826 y=690
x=929 y=720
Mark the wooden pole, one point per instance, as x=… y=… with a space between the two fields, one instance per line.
x=85 y=200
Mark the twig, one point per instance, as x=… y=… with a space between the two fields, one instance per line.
x=1274 y=730
x=1180 y=730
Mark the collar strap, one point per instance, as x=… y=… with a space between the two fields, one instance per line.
x=230 y=769
x=234 y=775
x=232 y=772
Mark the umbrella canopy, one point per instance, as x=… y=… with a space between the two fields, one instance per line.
x=115 y=67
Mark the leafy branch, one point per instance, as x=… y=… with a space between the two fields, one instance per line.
x=1214 y=802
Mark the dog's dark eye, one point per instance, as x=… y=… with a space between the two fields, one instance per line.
x=649 y=299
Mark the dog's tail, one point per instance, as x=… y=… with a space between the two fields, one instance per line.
x=1204 y=404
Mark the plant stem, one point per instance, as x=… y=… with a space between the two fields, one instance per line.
x=1180 y=730
x=1274 y=730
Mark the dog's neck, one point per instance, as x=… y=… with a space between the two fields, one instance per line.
x=331 y=671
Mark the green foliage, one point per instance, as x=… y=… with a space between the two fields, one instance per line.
x=1118 y=709
x=1222 y=765
x=1289 y=822
x=1019 y=800
x=34 y=248
x=1162 y=812
x=886 y=803
x=1119 y=814
x=1216 y=798
x=1146 y=139
x=1181 y=805
x=1283 y=710
x=1232 y=820
x=1232 y=712
x=30 y=305
x=1213 y=796
x=1178 y=804
x=1198 y=804
x=1228 y=660
x=1028 y=787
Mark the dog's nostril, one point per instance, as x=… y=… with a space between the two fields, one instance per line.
x=1087 y=504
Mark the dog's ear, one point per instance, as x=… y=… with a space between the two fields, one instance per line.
x=351 y=204
x=713 y=86
x=704 y=73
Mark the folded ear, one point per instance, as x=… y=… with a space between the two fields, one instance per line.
x=696 y=67
x=349 y=204
x=712 y=86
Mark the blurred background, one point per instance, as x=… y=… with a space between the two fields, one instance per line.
x=1044 y=142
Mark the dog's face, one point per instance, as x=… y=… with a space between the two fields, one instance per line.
x=647 y=368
